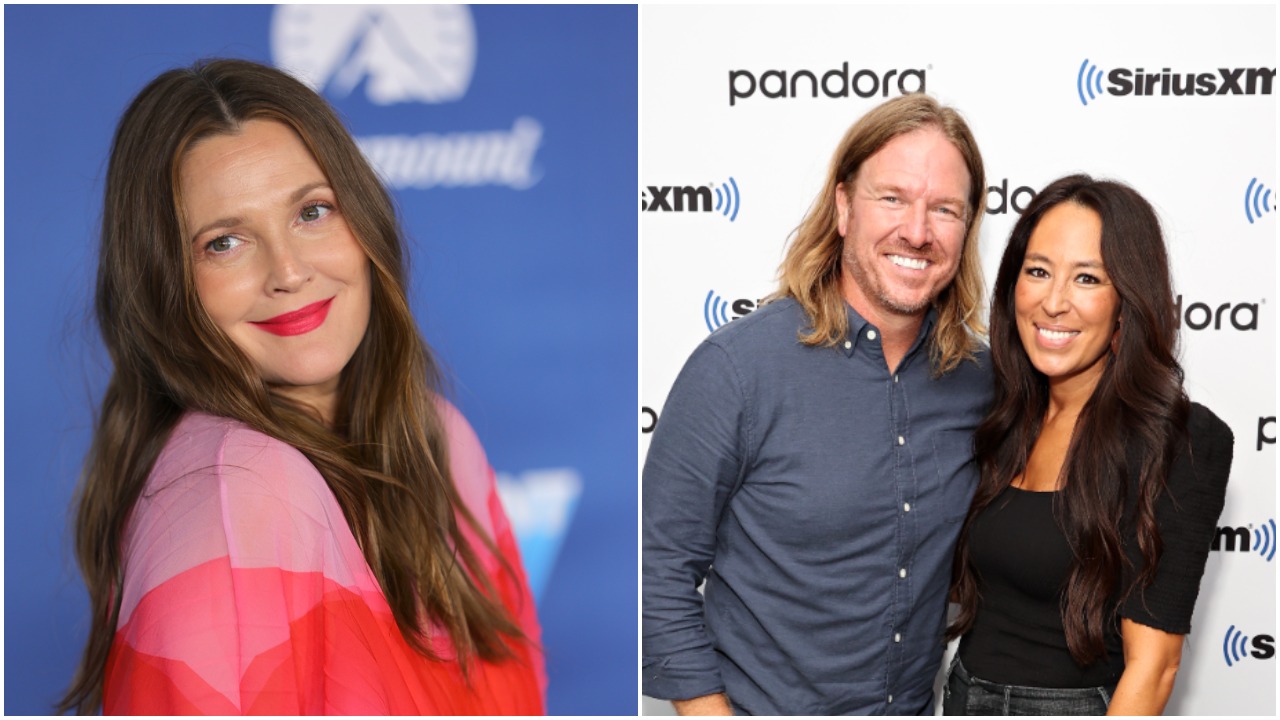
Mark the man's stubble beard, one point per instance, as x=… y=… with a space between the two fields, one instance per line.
x=875 y=292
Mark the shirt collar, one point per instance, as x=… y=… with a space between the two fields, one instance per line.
x=858 y=325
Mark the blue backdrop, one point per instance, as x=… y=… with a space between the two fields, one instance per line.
x=509 y=137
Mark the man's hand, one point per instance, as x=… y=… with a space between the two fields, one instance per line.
x=717 y=704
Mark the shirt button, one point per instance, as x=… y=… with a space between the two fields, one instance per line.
x=897 y=637
x=901 y=441
x=902 y=572
x=871 y=334
x=890 y=699
x=906 y=507
x=848 y=344
x=895 y=378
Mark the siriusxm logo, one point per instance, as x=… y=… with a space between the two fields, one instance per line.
x=724 y=198
x=540 y=504
x=1139 y=82
x=1237 y=539
x=715 y=309
x=406 y=54
x=1199 y=316
x=400 y=53
x=835 y=83
x=1257 y=200
x=1236 y=646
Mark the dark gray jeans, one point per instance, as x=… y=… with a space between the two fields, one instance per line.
x=967 y=695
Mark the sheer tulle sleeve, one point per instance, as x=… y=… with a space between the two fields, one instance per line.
x=244 y=591
x=475 y=481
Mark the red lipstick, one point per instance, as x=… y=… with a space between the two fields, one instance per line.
x=297 y=322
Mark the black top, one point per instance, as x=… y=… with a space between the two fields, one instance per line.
x=1022 y=561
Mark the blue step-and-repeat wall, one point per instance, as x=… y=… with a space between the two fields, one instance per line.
x=508 y=135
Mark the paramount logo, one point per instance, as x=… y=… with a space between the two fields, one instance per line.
x=396 y=53
x=462 y=159
x=406 y=54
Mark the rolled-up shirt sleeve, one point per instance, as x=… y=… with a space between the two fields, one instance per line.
x=696 y=458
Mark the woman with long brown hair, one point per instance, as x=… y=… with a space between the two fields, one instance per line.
x=279 y=512
x=1080 y=560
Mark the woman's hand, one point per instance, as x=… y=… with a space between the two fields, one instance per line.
x=1151 y=659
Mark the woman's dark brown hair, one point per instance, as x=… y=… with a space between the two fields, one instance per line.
x=385 y=457
x=1126 y=435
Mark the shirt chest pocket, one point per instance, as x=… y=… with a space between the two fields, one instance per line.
x=950 y=477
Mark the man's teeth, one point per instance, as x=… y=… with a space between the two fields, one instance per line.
x=1058 y=334
x=913 y=263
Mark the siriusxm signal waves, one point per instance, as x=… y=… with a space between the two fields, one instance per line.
x=1234 y=644
x=1088 y=80
x=1264 y=540
x=728 y=200
x=1257 y=200
x=715 y=310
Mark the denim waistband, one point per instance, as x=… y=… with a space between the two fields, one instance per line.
x=1024 y=691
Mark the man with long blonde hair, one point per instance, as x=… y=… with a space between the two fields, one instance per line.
x=814 y=459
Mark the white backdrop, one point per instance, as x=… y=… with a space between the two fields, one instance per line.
x=732 y=156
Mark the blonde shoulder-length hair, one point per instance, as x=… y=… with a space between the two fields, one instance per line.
x=811 y=271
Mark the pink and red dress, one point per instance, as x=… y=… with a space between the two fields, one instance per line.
x=244 y=591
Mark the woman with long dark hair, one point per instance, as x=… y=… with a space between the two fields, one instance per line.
x=1101 y=484
x=279 y=512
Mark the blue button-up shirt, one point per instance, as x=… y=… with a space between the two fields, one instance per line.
x=819 y=496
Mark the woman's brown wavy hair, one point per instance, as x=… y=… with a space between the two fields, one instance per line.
x=385 y=458
x=812 y=269
x=1131 y=425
